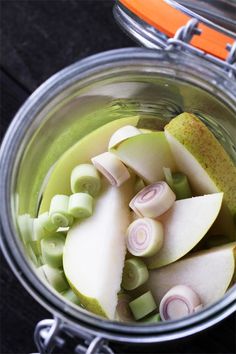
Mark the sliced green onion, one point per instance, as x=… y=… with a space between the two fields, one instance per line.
x=46 y=222
x=168 y=177
x=80 y=205
x=58 y=212
x=153 y=200
x=143 y=305
x=122 y=134
x=139 y=185
x=152 y=319
x=123 y=312
x=40 y=260
x=71 y=296
x=179 y=183
x=36 y=247
x=63 y=230
x=111 y=168
x=145 y=237
x=52 y=250
x=55 y=277
x=32 y=255
x=181 y=186
x=135 y=273
x=85 y=179
x=180 y=301
x=25 y=224
x=39 y=231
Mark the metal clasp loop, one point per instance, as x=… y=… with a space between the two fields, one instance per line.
x=231 y=58
x=47 y=336
x=184 y=34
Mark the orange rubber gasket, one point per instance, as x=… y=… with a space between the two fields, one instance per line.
x=168 y=20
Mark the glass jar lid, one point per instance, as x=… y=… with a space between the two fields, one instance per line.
x=205 y=28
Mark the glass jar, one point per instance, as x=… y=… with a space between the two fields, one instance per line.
x=120 y=83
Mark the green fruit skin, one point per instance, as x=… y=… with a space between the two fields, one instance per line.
x=146 y=155
x=89 y=303
x=122 y=195
x=202 y=144
x=81 y=152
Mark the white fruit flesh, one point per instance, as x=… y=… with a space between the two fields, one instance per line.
x=123 y=134
x=200 y=180
x=185 y=224
x=201 y=183
x=146 y=154
x=94 y=252
x=203 y=160
x=208 y=273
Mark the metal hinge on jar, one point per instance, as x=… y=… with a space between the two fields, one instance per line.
x=152 y=38
x=48 y=336
x=184 y=35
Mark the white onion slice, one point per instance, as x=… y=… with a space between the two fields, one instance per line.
x=180 y=301
x=112 y=168
x=144 y=237
x=153 y=200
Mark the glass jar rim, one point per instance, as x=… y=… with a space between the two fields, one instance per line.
x=11 y=247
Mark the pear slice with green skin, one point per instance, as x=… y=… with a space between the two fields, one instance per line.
x=146 y=154
x=91 y=145
x=209 y=273
x=200 y=156
x=94 y=251
x=185 y=224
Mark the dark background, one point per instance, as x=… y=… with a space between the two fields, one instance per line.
x=38 y=38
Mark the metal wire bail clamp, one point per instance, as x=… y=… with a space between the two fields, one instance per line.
x=47 y=337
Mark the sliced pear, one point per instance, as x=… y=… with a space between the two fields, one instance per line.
x=185 y=224
x=209 y=273
x=146 y=154
x=94 y=252
x=91 y=145
x=200 y=156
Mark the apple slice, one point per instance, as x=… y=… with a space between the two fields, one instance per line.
x=91 y=145
x=209 y=273
x=208 y=167
x=146 y=154
x=94 y=252
x=185 y=224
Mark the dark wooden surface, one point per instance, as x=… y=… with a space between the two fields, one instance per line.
x=39 y=38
